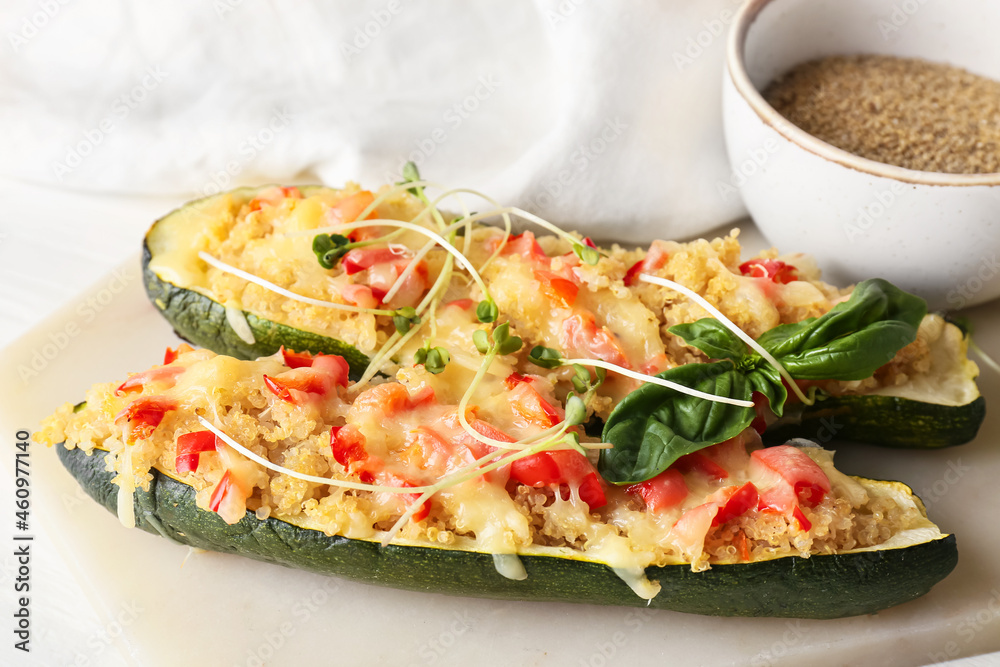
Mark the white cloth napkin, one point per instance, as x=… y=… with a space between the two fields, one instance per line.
x=600 y=115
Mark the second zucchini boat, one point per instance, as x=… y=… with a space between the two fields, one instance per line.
x=359 y=274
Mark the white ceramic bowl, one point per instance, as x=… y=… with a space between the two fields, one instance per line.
x=937 y=235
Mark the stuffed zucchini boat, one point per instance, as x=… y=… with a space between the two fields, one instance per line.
x=485 y=488
x=376 y=278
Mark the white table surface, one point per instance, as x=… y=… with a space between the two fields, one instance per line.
x=53 y=246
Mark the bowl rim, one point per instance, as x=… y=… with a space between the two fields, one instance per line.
x=736 y=68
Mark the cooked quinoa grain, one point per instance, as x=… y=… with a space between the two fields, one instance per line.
x=900 y=111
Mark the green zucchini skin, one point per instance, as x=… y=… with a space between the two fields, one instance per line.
x=831 y=586
x=202 y=321
x=887 y=421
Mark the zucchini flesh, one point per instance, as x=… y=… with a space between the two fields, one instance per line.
x=941 y=408
x=823 y=586
x=202 y=320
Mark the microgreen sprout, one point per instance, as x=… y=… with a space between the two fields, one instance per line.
x=481 y=339
x=582 y=381
x=502 y=342
x=487 y=311
x=329 y=248
x=545 y=357
x=405 y=318
x=587 y=254
x=576 y=410
x=411 y=175
x=434 y=359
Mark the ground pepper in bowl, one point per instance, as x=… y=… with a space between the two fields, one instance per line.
x=905 y=112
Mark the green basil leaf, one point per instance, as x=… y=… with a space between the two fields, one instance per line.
x=713 y=338
x=654 y=426
x=766 y=380
x=854 y=339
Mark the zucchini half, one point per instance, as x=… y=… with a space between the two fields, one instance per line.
x=830 y=586
x=941 y=409
x=172 y=283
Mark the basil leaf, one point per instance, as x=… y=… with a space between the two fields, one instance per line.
x=713 y=338
x=854 y=339
x=654 y=426
x=766 y=380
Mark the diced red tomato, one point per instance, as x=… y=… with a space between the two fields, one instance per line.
x=689 y=533
x=135 y=382
x=274 y=196
x=743 y=499
x=559 y=467
x=771 y=269
x=145 y=414
x=333 y=367
x=390 y=479
x=698 y=462
x=589 y=242
x=632 y=275
x=229 y=499
x=384 y=267
x=487 y=430
x=222 y=489
x=323 y=373
x=282 y=388
x=742 y=547
x=359 y=259
x=558 y=289
x=295 y=359
x=190 y=447
x=655 y=258
x=808 y=481
x=348 y=445
x=581 y=335
x=663 y=492
x=515 y=379
x=530 y=408
x=464 y=304
x=524 y=245
x=804 y=524
x=779 y=498
x=170 y=356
